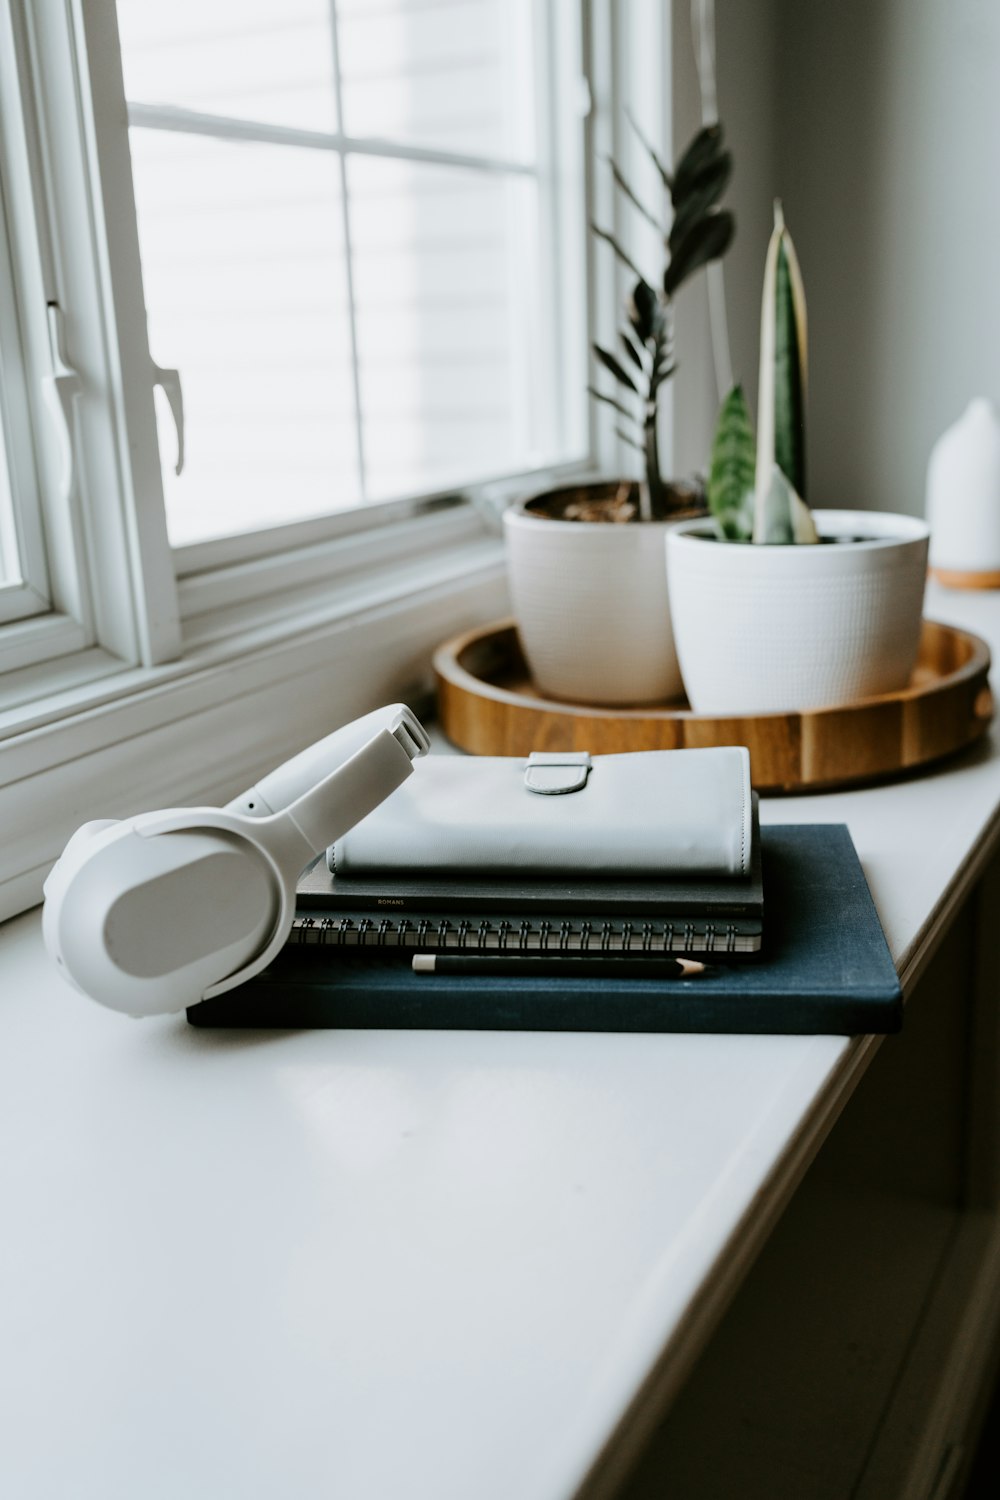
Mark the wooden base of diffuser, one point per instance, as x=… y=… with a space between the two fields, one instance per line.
x=960 y=578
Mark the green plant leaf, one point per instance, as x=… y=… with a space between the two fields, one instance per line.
x=609 y=362
x=781 y=388
x=789 y=378
x=784 y=517
x=645 y=313
x=706 y=240
x=631 y=441
x=632 y=350
x=701 y=150
x=632 y=196
x=648 y=147
x=705 y=190
x=661 y=373
x=775 y=521
x=609 y=239
x=731 y=477
x=611 y=401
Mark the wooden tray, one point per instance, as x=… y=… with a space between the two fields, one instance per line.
x=489 y=706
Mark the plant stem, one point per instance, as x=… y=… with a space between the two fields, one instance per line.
x=651 y=493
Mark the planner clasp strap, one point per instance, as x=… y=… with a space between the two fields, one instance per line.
x=554 y=773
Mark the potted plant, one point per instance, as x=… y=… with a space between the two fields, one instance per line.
x=775 y=608
x=586 y=563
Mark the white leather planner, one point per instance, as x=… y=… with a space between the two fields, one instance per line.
x=648 y=813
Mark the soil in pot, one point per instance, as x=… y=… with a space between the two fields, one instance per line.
x=617 y=503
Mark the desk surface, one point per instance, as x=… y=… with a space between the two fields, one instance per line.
x=378 y=1264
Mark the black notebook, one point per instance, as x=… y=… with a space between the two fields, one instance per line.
x=824 y=967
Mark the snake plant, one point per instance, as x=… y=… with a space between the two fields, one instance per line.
x=757 y=492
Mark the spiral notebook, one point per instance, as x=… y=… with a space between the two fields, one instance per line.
x=700 y=917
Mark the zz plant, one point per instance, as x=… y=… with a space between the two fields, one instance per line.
x=756 y=492
x=695 y=230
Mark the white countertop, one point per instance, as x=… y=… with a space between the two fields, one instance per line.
x=386 y=1264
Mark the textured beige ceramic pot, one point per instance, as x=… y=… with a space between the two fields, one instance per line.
x=590 y=600
x=769 y=629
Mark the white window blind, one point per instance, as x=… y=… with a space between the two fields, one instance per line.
x=348 y=219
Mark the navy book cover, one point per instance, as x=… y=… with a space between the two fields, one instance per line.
x=824 y=968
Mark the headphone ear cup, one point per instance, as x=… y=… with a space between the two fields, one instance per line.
x=147 y=924
x=85 y=835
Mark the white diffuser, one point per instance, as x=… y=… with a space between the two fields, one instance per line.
x=963 y=500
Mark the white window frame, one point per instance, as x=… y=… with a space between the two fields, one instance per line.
x=24 y=370
x=181 y=686
x=108 y=579
x=212 y=557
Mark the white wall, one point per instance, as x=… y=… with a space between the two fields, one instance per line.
x=878 y=124
x=746 y=63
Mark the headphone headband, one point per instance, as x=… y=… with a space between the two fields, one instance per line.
x=165 y=873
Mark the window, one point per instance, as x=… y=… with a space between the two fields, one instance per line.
x=327 y=258
x=346 y=215
x=338 y=325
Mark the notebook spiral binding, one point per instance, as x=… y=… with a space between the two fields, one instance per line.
x=490 y=935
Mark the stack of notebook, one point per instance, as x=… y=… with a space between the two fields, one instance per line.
x=788 y=932
x=699 y=916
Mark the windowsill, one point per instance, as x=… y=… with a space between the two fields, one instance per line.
x=508 y=1249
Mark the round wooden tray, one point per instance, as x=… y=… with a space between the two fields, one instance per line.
x=489 y=706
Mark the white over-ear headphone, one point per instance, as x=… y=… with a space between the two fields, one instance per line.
x=157 y=912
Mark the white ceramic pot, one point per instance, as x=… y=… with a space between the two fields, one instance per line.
x=963 y=500
x=590 y=600
x=773 y=629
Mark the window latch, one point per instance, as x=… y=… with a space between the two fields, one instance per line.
x=59 y=389
x=169 y=382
